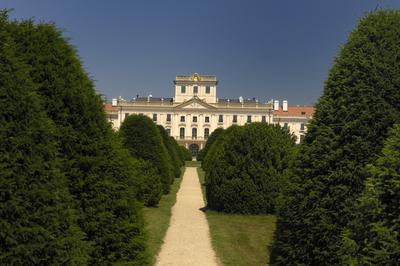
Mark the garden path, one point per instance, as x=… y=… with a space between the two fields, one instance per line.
x=187 y=241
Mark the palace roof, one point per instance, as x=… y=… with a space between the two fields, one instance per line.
x=296 y=111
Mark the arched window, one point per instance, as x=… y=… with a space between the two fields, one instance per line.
x=206 y=133
x=182 y=133
x=194 y=133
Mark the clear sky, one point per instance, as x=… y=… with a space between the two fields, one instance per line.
x=265 y=49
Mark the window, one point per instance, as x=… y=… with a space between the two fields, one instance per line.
x=234 y=119
x=263 y=119
x=208 y=89
x=194 y=133
x=182 y=133
x=126 y=115
x=168 y=131
x=301 y=138
x=154 y=117
x=285 y=125
x=207 y=119
x=302 y=127
x=220 y=119
x=168 y=117
x=183 y=89
x=249 y=119
x=194 y=119
x=206 y=133
x=195 y=89
x=182 y=118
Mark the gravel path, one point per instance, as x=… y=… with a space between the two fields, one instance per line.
x=187 y=241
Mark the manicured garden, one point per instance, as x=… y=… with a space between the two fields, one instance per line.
x=240 y=239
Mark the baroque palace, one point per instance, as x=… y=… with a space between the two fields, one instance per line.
x=196 y=111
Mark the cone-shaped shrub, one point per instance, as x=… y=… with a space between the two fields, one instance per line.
x=143 y=140
x=149 y=187
x=185 y=153
x=172 y=152
x=38 y=225
x=181 y=160
x=361 y=100
x=210 y=141
x=249 y=168
x=98 y=178
x=373 y=235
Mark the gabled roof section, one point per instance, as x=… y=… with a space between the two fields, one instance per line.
x=195 y=103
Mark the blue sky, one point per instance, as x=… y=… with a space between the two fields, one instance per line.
x=264 y=49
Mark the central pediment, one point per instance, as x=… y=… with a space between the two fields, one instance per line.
x=195 y=103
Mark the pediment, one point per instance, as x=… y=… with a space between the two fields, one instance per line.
x=195 y=103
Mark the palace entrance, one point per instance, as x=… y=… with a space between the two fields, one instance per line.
x=194 y=149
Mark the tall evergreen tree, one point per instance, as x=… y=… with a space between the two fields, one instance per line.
x=373 y=235
x=143 y=140
x=172 y=152
x=92 y=160
x=181 y=160
x=361 y=100
x=211 y=139
x=38 y=225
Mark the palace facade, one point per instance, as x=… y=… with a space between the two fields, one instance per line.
x=195 y=111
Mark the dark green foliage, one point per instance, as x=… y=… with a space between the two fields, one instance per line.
x=143 y=140
x=361 y=100
x=172 y=152
x=98 y=176
x=181 y=160
x=211 y=139
x=38 y=225
x=373 y=235
x=148 y=182
x=185 y=153
x=249 y=169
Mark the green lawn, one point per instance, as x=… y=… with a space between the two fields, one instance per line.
x=240 y=239
x=157 y=220
x=193 y=164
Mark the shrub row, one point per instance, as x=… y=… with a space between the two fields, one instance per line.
x=67 y=189
x=158 y=154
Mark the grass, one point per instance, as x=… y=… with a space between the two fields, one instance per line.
x=240 y=239
x=157 y=220
x=193 y=164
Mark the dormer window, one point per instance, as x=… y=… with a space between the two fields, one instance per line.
x=195 y=90
x=183 y=89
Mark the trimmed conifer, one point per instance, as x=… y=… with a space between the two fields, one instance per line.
x=373 y=235
x=211 y=139
x=143 y=140
x=175 y=160
x=38 y=224
x=181 y=160
x=185 y=153
x=97 y=174
x=361 y=100
x=149 y=187
x=249 y=168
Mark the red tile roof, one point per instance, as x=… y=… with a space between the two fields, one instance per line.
x=302 y=111
x=109 y=108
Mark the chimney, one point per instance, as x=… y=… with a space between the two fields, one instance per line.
x=276 y=105
x=114 y=102
x=285 y=106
